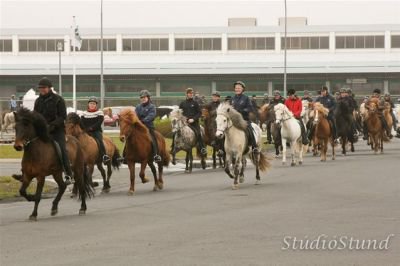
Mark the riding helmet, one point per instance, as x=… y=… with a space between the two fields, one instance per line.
x=216 y=93
x=144 y=93
x=241 y=83
x=45 y=82
x=277 y=93
x=349 y=91
x=92 y=99
x=343 y=90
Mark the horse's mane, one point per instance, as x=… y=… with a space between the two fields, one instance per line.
x=130 y=117
x=264 y=108
x=320 y=107
x=74 y=118
x=177 y=114
x=236 y=118
x=37 y=120
x=281 y=106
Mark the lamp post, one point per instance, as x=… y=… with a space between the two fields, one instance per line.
x=102 y=92
x=60 y=48
x=284 y=66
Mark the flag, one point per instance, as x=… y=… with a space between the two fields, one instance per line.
x=76 y=38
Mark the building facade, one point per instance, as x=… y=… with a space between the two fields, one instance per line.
x=168 y=60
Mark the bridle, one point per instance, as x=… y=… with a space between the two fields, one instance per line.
x=228 y=122
x=29 y=141
x=283 y=119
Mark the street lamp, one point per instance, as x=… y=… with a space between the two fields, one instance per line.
x=60 y=48
x=285 y=55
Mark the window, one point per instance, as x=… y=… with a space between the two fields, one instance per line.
x=306 y=42
x=42 y=45
x=360 y=42
x=5 y=46
x=197 y=44
x=154 y=44
x=250 y=43
x=395 y=41
x=92 y=45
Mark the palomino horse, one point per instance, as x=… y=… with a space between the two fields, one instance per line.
x=376 y=132
x=231 y=125
x=322 y=131
x=41 y=159
x=290 y=131
x=91 y=150
x=267 y=116
x=210 y=128
x=185 y=139
x=138 y=146
x=344 y=120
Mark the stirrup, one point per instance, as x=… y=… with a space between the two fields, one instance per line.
x=203 y=151
x=68 y=180
x=255 y=150
x=157 y=158
x=106 y=158
x=220 y=152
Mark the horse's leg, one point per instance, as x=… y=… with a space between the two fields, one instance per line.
x=131 y=166
x=154 y=172
x=283 y=151
x=160 y=176
x=236 y=173
x=61 y=189
x=187 y=162
x=381 y=142
x=227 y=166
x=25 y=184
x=38 y=196
x=103 y=175
x=241 y=174
x=214 y=158
x=191 y=160
x=344 y=142
x=142 y=173
x=301 y=149
x=109 y=173
x=293 y=145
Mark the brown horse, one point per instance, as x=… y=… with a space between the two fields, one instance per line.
x=139 y=149
x=376 y=131
x=41 y=159
x=322 y=131
x=267 y=115
x=210 y=128
x=91 y=150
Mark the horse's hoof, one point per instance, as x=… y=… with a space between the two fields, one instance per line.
x=160 y=186
x=95 y=184
x=82 y=212
x=258 y=182
x=131 y=192
x=54 y=212
x=105 y=190
x=235 y=187
x=155 y=188
x=300 y=163
x=73 y=195
x=187 y=171
x=241 y=179
x=283 y=163
x=32 y=218
x=293 y=164
x=145 y=180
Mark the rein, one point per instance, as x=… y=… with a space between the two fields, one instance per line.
x=228 y=127
x=29 y=141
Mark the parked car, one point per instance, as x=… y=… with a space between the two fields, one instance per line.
x=111 y=115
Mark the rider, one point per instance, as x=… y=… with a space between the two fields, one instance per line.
x=91 y=121
x=215 y=101
x=277 y=99
x=293 y=103
x=52 y=107
x=345 y=98
x=307 y=96
x=146 y=111
x=243 y=105
x=328 y=102
x=191 y=110
x=389 y=100
x=266 y=99
x=377 y=95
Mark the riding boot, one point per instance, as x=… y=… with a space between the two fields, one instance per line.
x=59 y=137
x=252 y=139
x=202 y=146
x=386 y=127
x=304 y=138
x=365 y=131
x=394 y=121
x=354 y=131
x=310 y=133
x=172 y=143
x=154 y=144
x=98 y=136
x=269 y=136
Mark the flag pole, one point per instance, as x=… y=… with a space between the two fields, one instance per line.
x=101 y=58
x=74 y=69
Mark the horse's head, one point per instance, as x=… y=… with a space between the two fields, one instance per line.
x=73 y=124
x=205 y=113
x=279 y=110
x=178 y=120
x=29 y=126
x=223 y=123
x=127 y=118
x=319 y=111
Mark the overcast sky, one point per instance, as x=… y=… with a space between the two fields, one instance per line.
x=132 y=13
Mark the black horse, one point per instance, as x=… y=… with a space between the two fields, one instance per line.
x=345 y=125
x=41 y=159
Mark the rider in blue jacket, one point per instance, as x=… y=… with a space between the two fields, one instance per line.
x=146 y=112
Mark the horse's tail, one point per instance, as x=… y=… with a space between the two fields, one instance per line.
x=85 y=189
x=264 y=161
x=115 y=161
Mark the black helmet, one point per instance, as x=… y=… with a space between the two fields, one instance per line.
x=216 y=93
x=45 y=82
x=291 y=92
x=377 y=91
x=241 y=83
x=92 y=99
x=144 y=93
x=343 y=90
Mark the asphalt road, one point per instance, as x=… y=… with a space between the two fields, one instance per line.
x=199 y=220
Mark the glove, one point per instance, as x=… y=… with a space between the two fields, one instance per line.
x=190 y=120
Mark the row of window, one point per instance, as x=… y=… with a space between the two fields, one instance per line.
x=208 y=44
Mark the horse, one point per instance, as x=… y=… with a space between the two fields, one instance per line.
x=210 y=127
x=290 y=131
x=185 y=139
x=91 y=150
x=138 y=144
x=41 y=159
x=376 y=132
x=267 y=115
x=322 y=131
x=232 y=126
x=8 y=119
x=344 y=120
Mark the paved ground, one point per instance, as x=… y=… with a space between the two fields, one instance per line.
x=199 y=220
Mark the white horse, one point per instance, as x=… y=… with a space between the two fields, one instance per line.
x=290 y=131
x=7 y=121
x=231 y=125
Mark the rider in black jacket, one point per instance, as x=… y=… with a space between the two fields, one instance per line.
x=52 y=107
x=243 y=105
